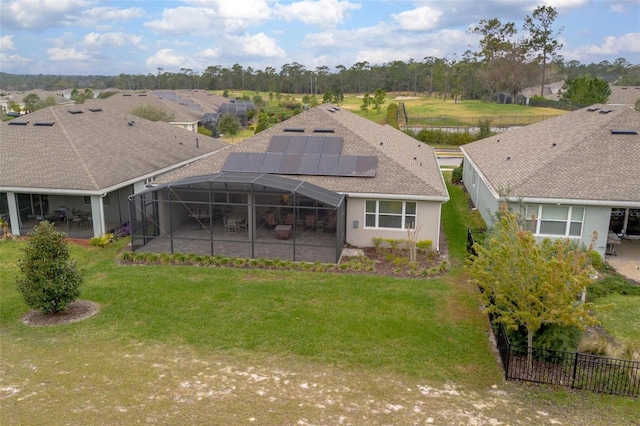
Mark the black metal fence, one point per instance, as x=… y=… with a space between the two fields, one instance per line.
x=473 y=235
x=571 y=369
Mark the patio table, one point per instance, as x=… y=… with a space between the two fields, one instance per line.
x=283 y=232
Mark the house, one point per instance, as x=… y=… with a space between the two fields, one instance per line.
x=624 y=95
x=76 y=165
x=184 y=110
x=576 y=174
x=300 y=190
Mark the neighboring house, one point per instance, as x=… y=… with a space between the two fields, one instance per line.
x=76 y=165
x=17 y=97
x=624 y=95
x=299 y=190
x=550 y=91
x=184 y=113
x=576 y=173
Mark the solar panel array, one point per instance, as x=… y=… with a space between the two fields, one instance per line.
x=303 y=155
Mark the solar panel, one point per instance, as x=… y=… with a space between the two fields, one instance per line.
x=303 y=155
x=271 y=163
x=332 y=145
x=347 y=165
x=290 y=164
x=235 y=161
x=253 y=162
x=314 y=145
x=309 y=164
x=366 y=165
x=328 y=165
x=296 y=144
x=278 y=144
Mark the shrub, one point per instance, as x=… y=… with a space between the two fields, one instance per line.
x=102 y=241
x=392 y=115
x=153 y=113
x=456 y=175
x=50 y=279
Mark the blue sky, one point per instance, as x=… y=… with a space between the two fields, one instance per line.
x=137 y=37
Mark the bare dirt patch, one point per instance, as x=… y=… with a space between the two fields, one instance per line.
x=76 y=311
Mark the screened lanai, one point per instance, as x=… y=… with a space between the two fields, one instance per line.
x=240 y=214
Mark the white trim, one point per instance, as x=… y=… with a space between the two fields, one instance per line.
x=395 y=197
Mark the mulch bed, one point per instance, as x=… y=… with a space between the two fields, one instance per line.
x=76 y=311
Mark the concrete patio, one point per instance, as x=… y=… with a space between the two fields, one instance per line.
x=627 y=259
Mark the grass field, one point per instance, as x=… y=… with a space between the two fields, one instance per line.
x=424 y=110
x=623 y=318
x=197 y=345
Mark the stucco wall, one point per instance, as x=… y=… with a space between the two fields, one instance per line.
x=427 y=217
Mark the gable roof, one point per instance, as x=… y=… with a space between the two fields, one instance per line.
x=405 y=166
x=183 y=111
x=624 y=95
x=571 y=157
x=92 y=150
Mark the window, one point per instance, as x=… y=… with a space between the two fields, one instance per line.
x=565 y=221
x=390 y=214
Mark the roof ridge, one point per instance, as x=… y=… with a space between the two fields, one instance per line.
x=83 y=164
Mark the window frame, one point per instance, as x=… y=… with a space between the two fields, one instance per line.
x=568 y=220
x=377 y=214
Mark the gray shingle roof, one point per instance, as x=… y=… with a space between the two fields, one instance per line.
x=573 y=156
x=92 y=151
x=405 y=166
x=128 y=101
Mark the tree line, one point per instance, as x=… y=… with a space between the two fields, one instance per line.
x=502 y=62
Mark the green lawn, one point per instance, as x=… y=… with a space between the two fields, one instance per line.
x=203 y=345
x=622 y=319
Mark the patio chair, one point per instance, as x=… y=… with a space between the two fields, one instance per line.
x=330 y=224
x=270 y=219
x=290 y=219
x=310 y=221
x=230 y=225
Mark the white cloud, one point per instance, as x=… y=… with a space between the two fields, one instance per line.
x=6 y=43
x=167 y=58
x=112 y=39
x=324 y=13
x=38 y=14
x=260 y=45
x=421 y=19
x=98 y=14
x=68 y=54
x=212 y=17
x=611 y=46
x=13 y=62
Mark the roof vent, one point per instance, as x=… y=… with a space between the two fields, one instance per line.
x=75 y=111
x=294 y=129
x=605 y=111
x=43 y=123
x=623 y=132
x=18 y=123
x=95 y=109
x=592 y=109
x=126 y=94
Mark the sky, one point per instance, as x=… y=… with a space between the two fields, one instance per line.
x=110 y=37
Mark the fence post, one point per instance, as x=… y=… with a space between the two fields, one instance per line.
x=575 y=368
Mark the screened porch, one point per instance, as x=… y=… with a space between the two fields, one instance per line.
x=238 y=214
